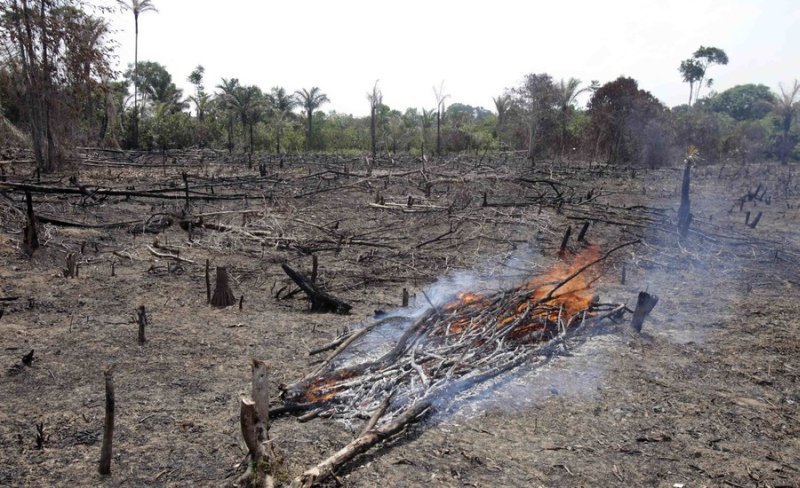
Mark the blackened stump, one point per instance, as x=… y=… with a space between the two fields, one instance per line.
x=223 y=295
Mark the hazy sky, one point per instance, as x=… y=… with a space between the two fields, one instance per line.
x=476 y=48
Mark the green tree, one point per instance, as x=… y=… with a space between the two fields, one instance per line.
x=156 y=86
x=200 y=99
x=137 y=7
x=694 y=69
x=281 y=104
x=744 y=102
x=692 y=72
x=567 y=93
x=538 y=97
x=426 y=120
x=229 y=103
x=502 y=104
x=310 y=100
x=251 y=106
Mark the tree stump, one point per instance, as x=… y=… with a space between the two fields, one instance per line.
x=223 y=295
x=108 y=426
x=30 y=241
x=644 y=305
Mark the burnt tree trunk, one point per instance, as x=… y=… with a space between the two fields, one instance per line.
x=320 y=301
x=108 y=426
x=644 y=305
x=223 y=295
x=141 y=319
x=30 y=241
x=685 y=210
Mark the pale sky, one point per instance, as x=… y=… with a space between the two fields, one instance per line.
x=476 y=48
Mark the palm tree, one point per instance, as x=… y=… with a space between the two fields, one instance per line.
x=311 y=100
x=251 y=109
x=502 y=104
x=787 y=107
x=229 y=101
x=137 y=7
x=282 y=105
x=567 y=93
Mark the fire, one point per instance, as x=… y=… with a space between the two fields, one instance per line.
x=575 y=295
x=552 y=301
x=468 y=333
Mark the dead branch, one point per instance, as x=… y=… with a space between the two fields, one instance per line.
x=168 y=256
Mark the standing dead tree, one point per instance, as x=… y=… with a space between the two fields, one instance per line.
x=685 y=210
x=254 y=420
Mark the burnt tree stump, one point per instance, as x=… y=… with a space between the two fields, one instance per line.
x=30 y=241
x=108 y=425
x=320 y=301
x=223 y=295
x=645 y=303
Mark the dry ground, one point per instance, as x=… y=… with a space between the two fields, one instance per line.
x=708 y=396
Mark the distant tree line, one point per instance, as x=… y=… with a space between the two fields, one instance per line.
x=56 y=86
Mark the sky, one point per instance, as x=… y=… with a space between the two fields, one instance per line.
x=477 y=49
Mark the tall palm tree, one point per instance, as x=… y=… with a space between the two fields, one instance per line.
x=310 y=100
x=567 y=92
x=502 y=103
x=282 y=105
x=229 y=101
x=251 y=109
x=786 y=107
x=137 y=7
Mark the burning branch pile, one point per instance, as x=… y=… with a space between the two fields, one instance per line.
x=447 y=349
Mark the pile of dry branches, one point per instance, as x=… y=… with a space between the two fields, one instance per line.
x=446 y=350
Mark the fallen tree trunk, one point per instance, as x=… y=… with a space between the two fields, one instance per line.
x=320 y=301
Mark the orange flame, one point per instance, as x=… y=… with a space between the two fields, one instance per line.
x=566 y=301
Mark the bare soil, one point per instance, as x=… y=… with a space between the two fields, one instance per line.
x=706 y=396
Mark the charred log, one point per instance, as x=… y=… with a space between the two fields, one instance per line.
x=321 y=301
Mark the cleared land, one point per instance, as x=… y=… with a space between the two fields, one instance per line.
x=707 y=396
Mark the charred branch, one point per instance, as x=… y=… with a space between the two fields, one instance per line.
x=321 y=301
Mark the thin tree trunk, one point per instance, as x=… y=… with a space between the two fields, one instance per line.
x=136 y=83
x=308 y=138
x=438 y=133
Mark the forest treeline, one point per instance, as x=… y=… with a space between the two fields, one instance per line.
x=58 y=91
